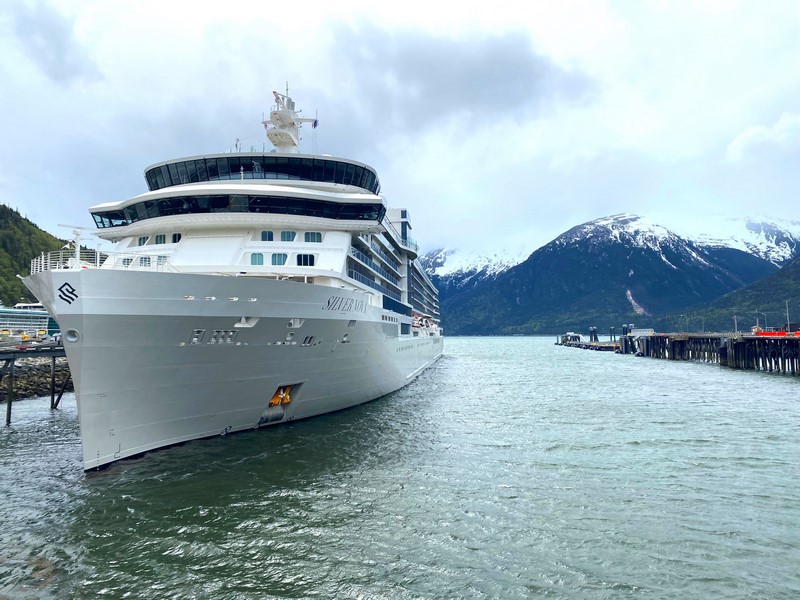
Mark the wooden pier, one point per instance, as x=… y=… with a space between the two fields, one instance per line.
x=9 y=356
x=765 y=351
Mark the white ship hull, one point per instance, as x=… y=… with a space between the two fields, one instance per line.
x=162 y=358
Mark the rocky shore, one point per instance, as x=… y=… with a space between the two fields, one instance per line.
x=32 y=378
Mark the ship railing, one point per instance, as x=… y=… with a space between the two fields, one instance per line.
x=95 y=259
x=407 y=241
x=373 y=284
x=366 y=260
x=66 y=258
x=391 y=261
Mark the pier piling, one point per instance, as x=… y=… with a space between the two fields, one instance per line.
x=764 y=351
x=10 y=356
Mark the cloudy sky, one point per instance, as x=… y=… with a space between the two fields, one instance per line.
x=497 y=124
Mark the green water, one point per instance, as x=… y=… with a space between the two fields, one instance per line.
x=512 y=469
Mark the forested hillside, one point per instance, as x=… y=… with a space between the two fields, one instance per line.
x=20 y=241
x=765 y=302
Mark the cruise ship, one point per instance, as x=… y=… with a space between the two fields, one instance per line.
x=244 y=290
x=25 y=320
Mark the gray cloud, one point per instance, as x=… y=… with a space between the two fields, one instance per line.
x=410 y=81
x=48 y=38
x=420 y=78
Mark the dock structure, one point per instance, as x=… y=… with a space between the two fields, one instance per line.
x=763 y=351
x=770 y=351
x=781 y=354
x=9 y=357
x=573 y=340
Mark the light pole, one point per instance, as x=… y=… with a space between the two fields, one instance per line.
x=735 y=324
x=765 y=321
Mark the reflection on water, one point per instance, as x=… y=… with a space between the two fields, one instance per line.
x=512 y=469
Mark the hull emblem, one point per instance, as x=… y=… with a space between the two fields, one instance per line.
x=67 y=293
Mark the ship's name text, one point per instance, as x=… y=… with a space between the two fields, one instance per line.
x=342 y=304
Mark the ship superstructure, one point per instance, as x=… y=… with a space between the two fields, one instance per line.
x=244 y=289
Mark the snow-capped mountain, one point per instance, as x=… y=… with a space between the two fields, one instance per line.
x=775 y=240
x=469 y=263
x=608 y=271
x=632 y=231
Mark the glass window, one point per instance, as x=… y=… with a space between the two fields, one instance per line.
x=150 y=209
x=288 y=236
x=308 y=167
x=223 y=168
x=219 y=203
x=235 y=203
x=191 y=169
x=296 y=206
x=260 y=204
x=279 y=259
x=144 y=261
x=152 y=180
x=173 y=174
x=162 y=173
x=235 y=167
x=305 y=260
x=295 y=169
x=143 y=240
x=358 y=175
x=126 y=262
x=282 y=167
x=202 y=175
x=313 y=236
x=176 y=237
x=161 y=238
x=256 y=258
x=319 y=169
x=340 y=171
x=348 y=176
x=239 y=204
x=315 y=208
x=211 y=169
x=266 y=236
x=330 y=170
x=183 y=176
x=269 y=167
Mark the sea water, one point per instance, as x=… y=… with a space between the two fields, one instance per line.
x=513 y=468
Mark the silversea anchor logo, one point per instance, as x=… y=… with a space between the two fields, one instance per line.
x=67 y=293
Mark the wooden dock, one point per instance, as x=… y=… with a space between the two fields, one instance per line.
x=764 y=351
x=10 y=354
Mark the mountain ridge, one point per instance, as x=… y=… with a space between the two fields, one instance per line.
x=616 y=269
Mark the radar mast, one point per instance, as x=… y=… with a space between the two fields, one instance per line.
x=283 y=126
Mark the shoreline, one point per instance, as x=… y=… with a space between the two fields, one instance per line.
x=32 y=378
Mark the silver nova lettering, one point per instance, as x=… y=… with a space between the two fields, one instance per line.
x=342 y=304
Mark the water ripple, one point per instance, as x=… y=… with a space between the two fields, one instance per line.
x=515 y=469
